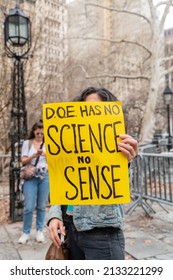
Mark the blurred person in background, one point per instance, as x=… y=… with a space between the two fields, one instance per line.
x=35 y=189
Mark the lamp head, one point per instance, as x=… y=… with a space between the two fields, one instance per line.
x=17 y=32
x=167 y=95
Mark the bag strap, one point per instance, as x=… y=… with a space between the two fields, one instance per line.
x=41 y=146
x=63 y=209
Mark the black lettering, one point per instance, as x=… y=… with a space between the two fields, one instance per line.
x=61 y=112
x=92 y=182
x=107 y=138
x=75 y=138
x=80 y=159
x=116 y=109
x=49 y=113
x=83 y=111
x=70 y=182
x=12 y=271
x=112 y=191
x=114 y=180
x=87 y=160
x=107 y=109
x=61 y=138
x=98 y=110
x=81 y=182
x=91 y=111
x=97 y=139
x=111 y=109
x=70 y=112
x=116 y=135
x=50 y=148
x=84 y=139
x=91 y=185
x=80 y=138
x=104 y=178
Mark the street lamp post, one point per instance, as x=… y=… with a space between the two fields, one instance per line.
x=168 y=100
x=17 y=40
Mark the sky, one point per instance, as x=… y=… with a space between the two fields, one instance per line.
x=169 y=20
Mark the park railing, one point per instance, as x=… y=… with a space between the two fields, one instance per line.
x=151 y=180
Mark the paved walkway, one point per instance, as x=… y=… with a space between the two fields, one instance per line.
x=150 y=238
x=146 y=238
x=11 y=250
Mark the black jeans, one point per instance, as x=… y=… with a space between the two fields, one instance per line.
x=96 y=244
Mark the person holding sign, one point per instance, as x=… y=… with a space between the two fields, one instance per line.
x=95 y=231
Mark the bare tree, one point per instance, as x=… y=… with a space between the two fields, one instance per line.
x=126 y=54
x=110 y=43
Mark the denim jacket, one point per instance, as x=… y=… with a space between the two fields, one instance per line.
x=86 y=217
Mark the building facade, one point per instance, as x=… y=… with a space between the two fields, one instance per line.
x=43 y=70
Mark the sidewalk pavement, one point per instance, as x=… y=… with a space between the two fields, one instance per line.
x=150 y=237
x=146 y=237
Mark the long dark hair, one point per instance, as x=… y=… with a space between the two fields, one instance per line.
x=103 y=93
x=37 y=125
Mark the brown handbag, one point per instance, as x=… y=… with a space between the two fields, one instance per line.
x=61 y=253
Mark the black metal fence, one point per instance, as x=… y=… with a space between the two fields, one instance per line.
x=152 y=180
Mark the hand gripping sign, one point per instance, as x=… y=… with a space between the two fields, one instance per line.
x=84 y=163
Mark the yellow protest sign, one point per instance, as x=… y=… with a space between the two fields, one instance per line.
x=84 y=163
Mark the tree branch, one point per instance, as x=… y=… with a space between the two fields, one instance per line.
x=119 y=11
x=114 y=76
x=114 y=41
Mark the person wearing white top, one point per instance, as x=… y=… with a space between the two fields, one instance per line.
x=35 y=189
